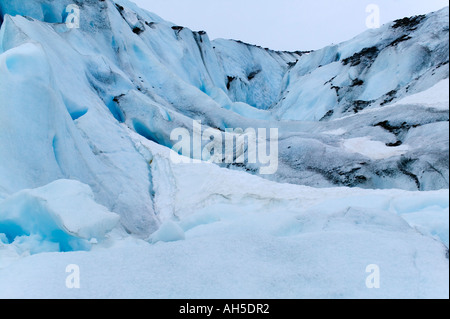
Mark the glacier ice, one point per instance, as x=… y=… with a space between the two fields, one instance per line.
x=247 y=237
x=168 y=232
x=58 y=217
x=173 y=74
x=85 y=164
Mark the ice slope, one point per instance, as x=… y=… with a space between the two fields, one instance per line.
x=372 y=70
x=54 y=125
x=226 y=234
x=127 y=65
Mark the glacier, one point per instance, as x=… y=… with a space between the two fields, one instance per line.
x=87 y=175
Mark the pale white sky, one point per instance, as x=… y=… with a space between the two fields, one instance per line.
x=284 y=24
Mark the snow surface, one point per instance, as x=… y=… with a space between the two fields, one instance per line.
x=435 y=97
x=86 y=175
x=231 y=235
x=373 y=149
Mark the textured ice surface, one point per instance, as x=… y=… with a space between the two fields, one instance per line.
x=129 y=66
x=231 y=235
x=85 y=122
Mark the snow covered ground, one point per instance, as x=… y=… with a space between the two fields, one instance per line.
x=88 y=181
x=435 y=97
x=227 y=234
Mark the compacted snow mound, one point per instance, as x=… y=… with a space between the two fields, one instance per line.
x=373 y=149
x=435 y=97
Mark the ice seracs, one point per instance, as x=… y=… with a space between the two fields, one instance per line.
x=87 y=177
x=164 y=76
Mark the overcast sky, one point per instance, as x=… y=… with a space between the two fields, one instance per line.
x=284 y=24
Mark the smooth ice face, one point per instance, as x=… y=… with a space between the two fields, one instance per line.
x=61 y=216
